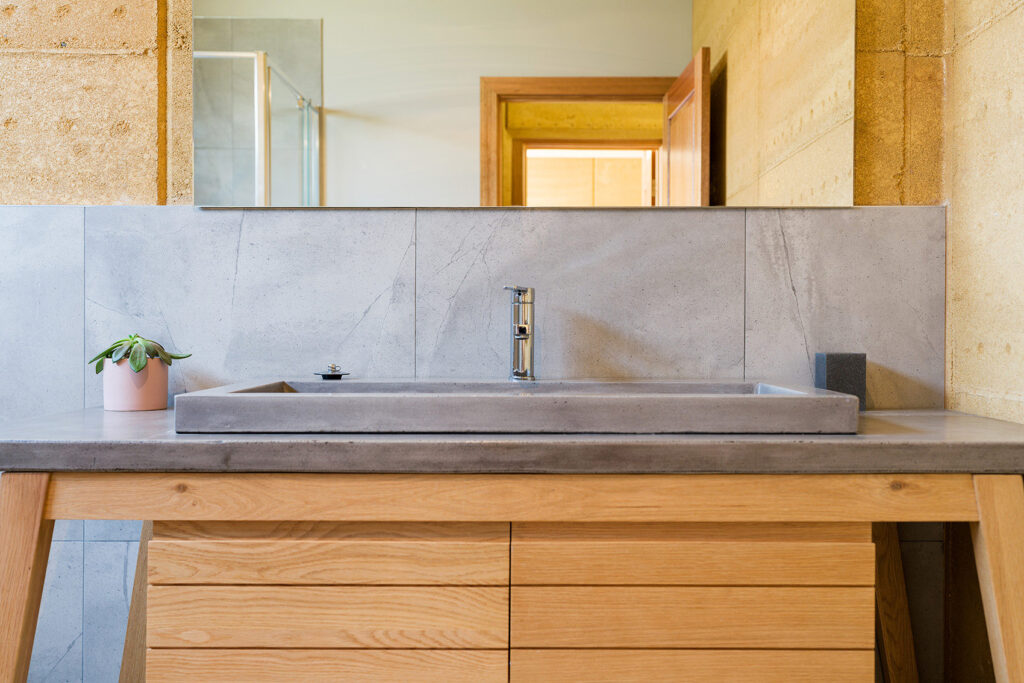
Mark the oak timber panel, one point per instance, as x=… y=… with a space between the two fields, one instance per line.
x=329 y=562
x=698 y=563
x=25 y=536
x=692 y=617
x=834 y=532
x=323 y=666
x=693 y=666
x=999 y=556
x=330 y=553
x=516 y=498
x=327 y=617
x=371 y=531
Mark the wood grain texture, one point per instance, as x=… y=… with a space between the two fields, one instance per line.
x=897 y=646
x=133 y=657
x=999 y=553
x=693 y=666
x=330 y=562
x=804 y=532
x=694 y=563
x=366 y=531
x=687 y=138
x=324 y=666
x=24 y=549
x=516 y=498
x=704 y=617
x=327 y=617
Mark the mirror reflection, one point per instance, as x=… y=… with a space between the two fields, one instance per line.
x=522 y=103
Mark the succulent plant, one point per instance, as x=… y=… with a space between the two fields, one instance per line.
x=138 y=351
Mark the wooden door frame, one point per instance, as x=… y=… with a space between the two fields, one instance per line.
x=521 y=145
x=495 y=91
x=693 y=83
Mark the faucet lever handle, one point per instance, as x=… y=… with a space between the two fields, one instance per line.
x=522 y=295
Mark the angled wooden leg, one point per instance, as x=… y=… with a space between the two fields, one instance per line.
x=24 y=548
x=891 y=602
x=133 y=660
x=999 y=553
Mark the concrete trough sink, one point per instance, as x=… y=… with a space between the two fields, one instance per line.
x=552 y=407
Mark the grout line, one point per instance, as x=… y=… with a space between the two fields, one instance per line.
x=81 y=625
x=746 y=218
x=85 y=380
x=415 y=287
x=85 y=373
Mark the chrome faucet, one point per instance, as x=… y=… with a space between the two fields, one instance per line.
x=522 y=333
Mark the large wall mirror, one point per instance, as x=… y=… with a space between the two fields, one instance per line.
x=486 y=103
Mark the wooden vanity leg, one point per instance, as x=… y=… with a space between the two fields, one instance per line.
x=891 y=603
x=24 y=549
x=133 y=659
x=999 y=553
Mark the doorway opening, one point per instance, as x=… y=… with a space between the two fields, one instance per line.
x=667 y=116
x=588 y=175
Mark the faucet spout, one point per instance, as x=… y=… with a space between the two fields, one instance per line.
x=521 y=333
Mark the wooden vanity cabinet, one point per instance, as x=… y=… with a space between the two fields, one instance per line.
x=277 y=601
x=694 y=602
x=327 y=602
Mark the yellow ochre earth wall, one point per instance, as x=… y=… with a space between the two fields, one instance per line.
x=984 y=178
x=96 y=101
x=782 y=100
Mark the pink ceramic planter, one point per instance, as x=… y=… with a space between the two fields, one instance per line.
x=127 y=390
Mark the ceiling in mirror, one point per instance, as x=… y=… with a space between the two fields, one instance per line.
x=346 y=103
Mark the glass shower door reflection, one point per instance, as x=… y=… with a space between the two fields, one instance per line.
x=256 y=136
x=294 y=144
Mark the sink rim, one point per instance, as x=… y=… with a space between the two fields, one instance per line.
x=498 y=389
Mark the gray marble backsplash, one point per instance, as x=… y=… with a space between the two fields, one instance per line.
x=667 y=293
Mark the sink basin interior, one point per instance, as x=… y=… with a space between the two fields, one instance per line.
x=509 y=388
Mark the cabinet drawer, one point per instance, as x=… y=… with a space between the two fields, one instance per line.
x=692 y=617
x=330 y=554
x=706 y=563
x=326 y=666
x=753 y=554
x=327 y=617
x=693 y=666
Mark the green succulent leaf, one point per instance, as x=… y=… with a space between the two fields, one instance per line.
x=138 y=350
x=105 y=353
x=137 y=358
x=120 y=352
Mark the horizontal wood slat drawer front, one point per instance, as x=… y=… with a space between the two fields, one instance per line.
x=692 y=563
x=327 y=617
x=697 y=617
x=329 y=562
x=326 y=666
x=693 y=666
x=803 y=532
x=308 y=531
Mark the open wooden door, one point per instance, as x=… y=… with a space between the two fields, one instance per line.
x=686 y=147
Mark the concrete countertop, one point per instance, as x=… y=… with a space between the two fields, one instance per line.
x=889 y=441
